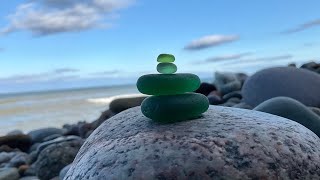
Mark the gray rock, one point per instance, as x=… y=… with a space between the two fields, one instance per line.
x=214 y=99
x=51 y=137
x=29 y=178
x=64 y=171
x=225 y=143
x=243 y=105
x=55 y=157
x=234 y=94
x=20 y=159
x=234 y=100
x=227 y=82
x=315 y=110
x=298 y=84
x=40 y=134
x=6 y=156
x=9 y=174
x=122 y=104
x=291 y=109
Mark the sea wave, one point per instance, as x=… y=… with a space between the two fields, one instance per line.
x=108 y=100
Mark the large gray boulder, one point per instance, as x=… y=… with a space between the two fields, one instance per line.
x=226 y=143
x=299 y=84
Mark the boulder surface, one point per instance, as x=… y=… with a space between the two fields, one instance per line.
x=225 y=143
x=299 y=84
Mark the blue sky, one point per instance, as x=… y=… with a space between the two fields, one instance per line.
x=48 y=44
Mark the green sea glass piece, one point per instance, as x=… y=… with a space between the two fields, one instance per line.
x=168 y=84
x=174 y=108
x=166 y=58
x=166 y=68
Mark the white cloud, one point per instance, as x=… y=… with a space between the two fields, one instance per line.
x=45 y=17
x=210 y=41
x=303 y=27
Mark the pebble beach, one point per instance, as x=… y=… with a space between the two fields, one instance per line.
x=44 y=150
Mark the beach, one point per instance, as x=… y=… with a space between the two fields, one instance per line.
x=34 y=110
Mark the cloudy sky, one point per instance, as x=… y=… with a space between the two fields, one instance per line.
x=48 y=44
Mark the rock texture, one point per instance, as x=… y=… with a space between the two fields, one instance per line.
x=55 y=157
x=226 y=143
x=299 y=84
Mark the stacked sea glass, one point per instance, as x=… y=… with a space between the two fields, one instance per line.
x=173 y=98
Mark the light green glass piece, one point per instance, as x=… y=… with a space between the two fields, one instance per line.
x=174 y=108
x=166 y=58
x=168 y=84
x=166 y=68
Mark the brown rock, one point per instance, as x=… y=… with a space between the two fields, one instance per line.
x=21 y=141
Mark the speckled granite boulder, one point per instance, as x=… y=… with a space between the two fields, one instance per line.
x=226 y=143
x=299 y=84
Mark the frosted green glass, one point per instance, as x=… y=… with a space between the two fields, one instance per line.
x=168 y=84
x=174 y=108
x=166 y=58
x=166 y=68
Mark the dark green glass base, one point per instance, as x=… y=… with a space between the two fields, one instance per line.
x=174 y=108
x=168 y=84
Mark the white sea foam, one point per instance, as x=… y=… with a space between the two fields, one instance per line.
x=107 y=100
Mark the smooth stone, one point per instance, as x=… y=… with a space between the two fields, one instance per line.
x=55 y=157
x=9 y=174
x=230 y=87
x=166 y=68
x=206 y=88
x=123 y=103
x=234 y=100
x=168 y=84
x=225 y=143
x=291 y=109
x=228 y=82
x=214 y=99
x=20 y=141
x=166 y=58
x=243 y=105
x=315 y=110
x=40 y=134
x=299 y=84
x=19 y=159
x=173 y=108
x=29 y=178
x=234 y=94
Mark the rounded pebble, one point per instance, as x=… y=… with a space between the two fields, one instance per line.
x=168 y=84
x=166 y=58
x=166 y=68
x=173 y=108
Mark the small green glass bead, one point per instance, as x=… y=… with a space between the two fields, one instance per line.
x=166 y=68
x=174 y=108
x=168 y=84
x=166 y=58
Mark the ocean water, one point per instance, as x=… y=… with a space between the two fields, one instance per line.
x=29 y=111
